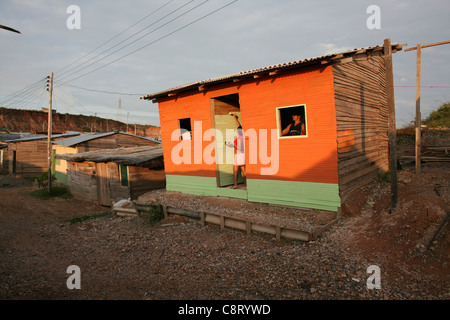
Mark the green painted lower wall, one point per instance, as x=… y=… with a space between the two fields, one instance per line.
x=61 y=177
x=204 y=186
x=323 y=196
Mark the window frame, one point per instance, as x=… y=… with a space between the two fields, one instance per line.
x=280 y=128
x=185 y=130
x=123 y=182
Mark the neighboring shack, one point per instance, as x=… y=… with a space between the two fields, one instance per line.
x=107 y=176
x=28 y=156
x=93 y=142
x=341 y=99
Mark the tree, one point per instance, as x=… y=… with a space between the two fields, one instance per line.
x=439 y=117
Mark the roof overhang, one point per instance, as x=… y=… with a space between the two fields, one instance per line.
x=269 y=71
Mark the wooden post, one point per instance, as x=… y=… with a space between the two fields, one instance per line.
x=49 y=136
x=418 y=122
x=391 y=123
x=418 y=115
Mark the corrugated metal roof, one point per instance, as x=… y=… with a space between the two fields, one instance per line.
x=40 y=137
x=69 y=142
x=130 y=156
x=287 y=65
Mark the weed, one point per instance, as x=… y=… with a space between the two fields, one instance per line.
x=89 y=217
x=44 y=194
x=153 y=215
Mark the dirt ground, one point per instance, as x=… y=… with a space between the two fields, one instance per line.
x=126 y=258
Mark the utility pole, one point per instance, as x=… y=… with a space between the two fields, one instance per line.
x=49 y=136
x=119 y=110
x=391 y=123
x=127 y=120
x=418 y=122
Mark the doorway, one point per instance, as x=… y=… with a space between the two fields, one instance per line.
x=103 y=189
x=223 y=108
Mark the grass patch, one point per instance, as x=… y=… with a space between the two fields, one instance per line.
x=89 y=217
x=44 y=194
x=153 y=214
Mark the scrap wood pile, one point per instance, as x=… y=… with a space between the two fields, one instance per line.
x=428 y=153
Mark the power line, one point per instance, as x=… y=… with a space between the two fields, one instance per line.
x=25 y=96
x=102 y=91
x=116 y=35
x=422 y=86
x=28 y=91
x=76 y=100
x=163 y=37
x=117 y=45
x=123 y=47
x=23 y=91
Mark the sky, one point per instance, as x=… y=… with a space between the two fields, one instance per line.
x=111 y=51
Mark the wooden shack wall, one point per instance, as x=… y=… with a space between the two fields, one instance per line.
x=114 y=141
x=31 y=157
x=142 y=180
x=82 y=180
x=362 y=121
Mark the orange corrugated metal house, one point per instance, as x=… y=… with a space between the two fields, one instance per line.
x=341 y=144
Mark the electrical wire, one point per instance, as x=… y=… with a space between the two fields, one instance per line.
x=157 y=40
x=149 y=15
x=102 y=91
x=22 y=92
x=25 y=97
x=68 y=71
x=148 y=33
x=28 y=91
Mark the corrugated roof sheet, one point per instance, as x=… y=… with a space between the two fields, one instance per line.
x=40 y=137
x=148 y=156
x=69 y=142
x=287 y=65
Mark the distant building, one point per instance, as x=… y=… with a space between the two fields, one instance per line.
x=107 y=176
x=28 y=156
x=93 y=142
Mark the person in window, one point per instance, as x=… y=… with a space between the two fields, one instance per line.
x=239 y=153
x=296 y=128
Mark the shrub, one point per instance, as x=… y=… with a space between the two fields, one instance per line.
x=153 y=215
x=44 y=194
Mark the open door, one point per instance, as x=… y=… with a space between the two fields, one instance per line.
x=223 y=121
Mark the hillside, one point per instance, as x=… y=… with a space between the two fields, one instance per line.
x=33 y=121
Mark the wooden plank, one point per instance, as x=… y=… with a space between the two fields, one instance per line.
x=184 y=212
x=278 y=233
x=391 y=123
x=104 y=193
x=418 y=115
x=248 y=225
x=202 y=218
x=428 y=45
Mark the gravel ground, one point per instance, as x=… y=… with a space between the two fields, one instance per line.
x=126 y=258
